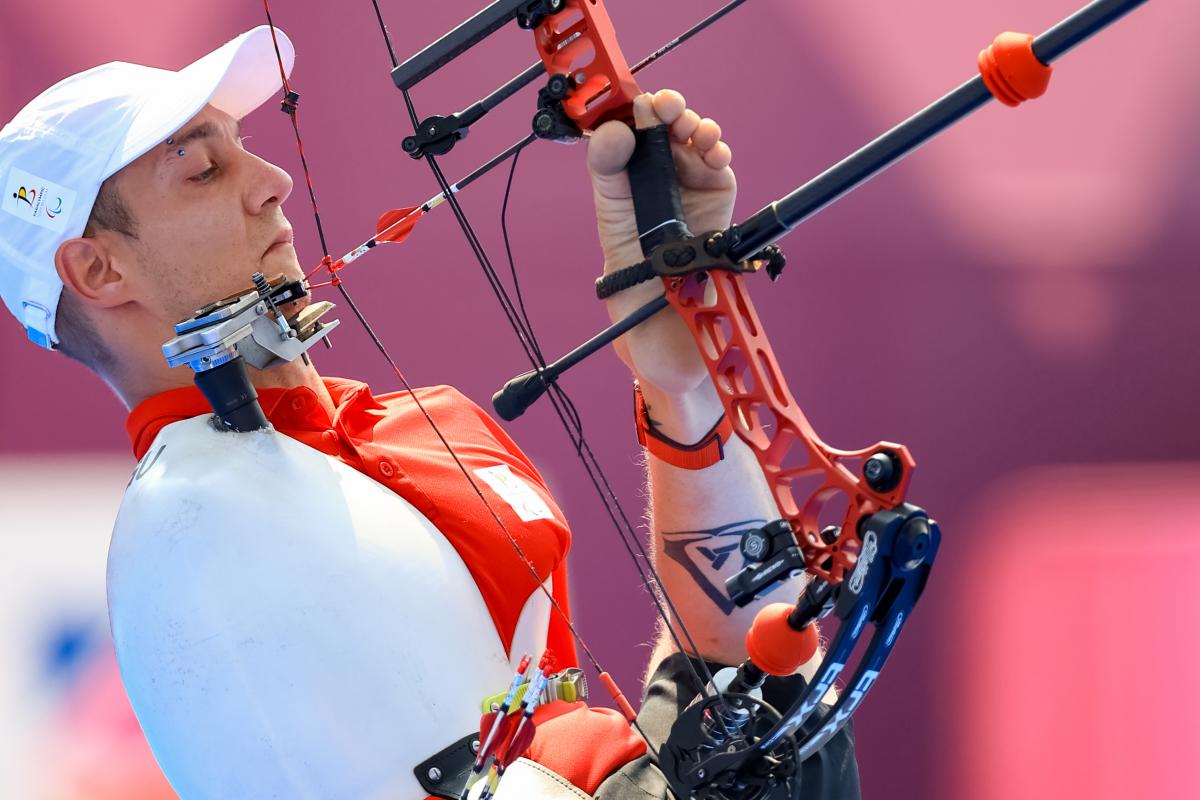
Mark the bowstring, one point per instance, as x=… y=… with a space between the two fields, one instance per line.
x=559 y=399
x=568 y=404
x=561 y=402
x=290 y=108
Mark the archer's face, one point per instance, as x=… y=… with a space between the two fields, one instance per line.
x=205 y=220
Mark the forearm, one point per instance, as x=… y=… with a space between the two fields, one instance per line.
x=697 y=515
x=696 y=520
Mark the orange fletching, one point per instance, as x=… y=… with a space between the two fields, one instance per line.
x=395 y=225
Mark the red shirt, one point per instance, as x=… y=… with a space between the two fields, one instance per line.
x=387 y=438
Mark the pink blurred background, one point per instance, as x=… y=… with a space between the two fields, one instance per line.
x=1016 y=303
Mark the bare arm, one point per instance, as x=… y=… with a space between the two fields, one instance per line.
x=696 y=515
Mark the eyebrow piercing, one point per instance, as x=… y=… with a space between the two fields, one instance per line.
x=171 y=141
x=181 y=151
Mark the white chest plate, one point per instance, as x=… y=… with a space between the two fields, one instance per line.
x=288 y=627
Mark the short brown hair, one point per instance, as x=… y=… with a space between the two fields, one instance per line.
x=78 y=338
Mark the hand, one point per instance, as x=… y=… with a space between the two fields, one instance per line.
x=661 y=352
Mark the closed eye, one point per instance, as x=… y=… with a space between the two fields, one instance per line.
x=205 y=176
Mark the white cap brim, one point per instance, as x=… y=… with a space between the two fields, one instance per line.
x=235 y=78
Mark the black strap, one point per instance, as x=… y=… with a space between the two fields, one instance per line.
x=657 y=205
x=623 y=278
x=444 y=774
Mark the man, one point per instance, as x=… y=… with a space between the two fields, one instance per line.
x=316 y=610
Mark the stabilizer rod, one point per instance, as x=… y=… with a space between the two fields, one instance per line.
x=782 y=216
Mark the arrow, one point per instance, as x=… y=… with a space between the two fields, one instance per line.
x=496 y=723
x=522 y=737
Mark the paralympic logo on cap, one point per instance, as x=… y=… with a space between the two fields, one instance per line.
x=38 y=200
x=29 y=197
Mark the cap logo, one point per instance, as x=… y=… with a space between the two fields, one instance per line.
x=37 y=200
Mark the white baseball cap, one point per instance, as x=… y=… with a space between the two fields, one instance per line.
x=59 y=149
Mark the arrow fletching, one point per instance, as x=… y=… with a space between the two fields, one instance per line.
x=519 y=744
x=497 y=724
x=394 y=226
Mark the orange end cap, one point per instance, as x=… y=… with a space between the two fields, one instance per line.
x=1011 y=71
x=775 y=646
x=618 y=697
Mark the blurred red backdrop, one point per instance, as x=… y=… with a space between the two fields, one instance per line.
x=1019 y=293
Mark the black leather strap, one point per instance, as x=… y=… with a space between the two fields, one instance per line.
x=445 y=773
x=657 y=204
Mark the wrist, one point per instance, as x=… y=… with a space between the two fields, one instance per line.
x=622 y=254
x=684 y=417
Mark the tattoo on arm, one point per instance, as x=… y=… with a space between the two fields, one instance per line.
x=705 y=553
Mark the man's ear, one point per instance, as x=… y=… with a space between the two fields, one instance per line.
x=88 y=267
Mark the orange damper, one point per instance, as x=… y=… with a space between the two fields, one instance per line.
x=1011 y=71
x=775 y=646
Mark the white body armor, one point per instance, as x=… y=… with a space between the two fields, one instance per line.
x=289 y=628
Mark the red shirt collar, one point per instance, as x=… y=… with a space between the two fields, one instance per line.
x=287 y=409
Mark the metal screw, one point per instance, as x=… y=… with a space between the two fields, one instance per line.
x=474 y=745
x=434 y=775
x=700 y=773
x=882 y=471
x=580 y=77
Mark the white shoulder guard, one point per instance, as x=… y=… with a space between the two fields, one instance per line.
x=288 y=627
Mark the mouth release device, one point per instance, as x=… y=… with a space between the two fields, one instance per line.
x=246 y=328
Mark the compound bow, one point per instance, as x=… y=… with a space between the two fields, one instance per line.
x=870 y=569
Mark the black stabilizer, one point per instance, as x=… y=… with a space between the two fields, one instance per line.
x=518 y=395
x=656 y=200
x=232 y=397
x=455 y=43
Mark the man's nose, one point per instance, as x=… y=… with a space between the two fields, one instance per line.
x=271 y=186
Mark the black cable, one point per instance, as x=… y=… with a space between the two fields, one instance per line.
x=576 y=421
x=600 y=482
x=559 y=400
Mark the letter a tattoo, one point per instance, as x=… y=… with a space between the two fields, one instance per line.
x=704 y=553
